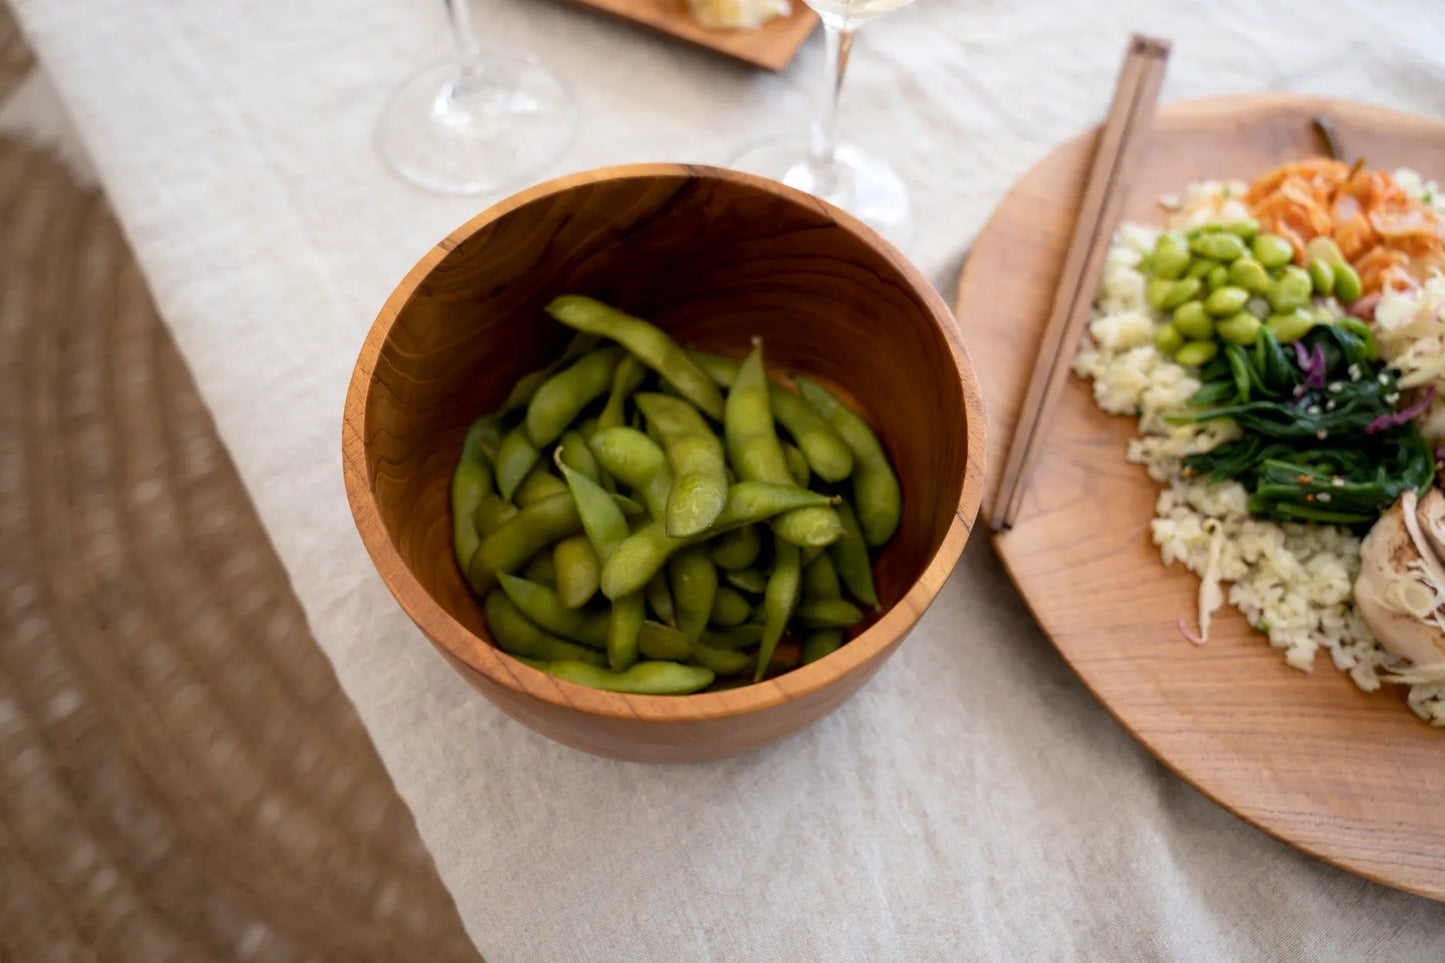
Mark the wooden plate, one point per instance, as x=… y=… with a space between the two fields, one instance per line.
x=1351 y=778
x=770 y=46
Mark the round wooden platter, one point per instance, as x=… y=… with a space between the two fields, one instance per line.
x=1352 y=778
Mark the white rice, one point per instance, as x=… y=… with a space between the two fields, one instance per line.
x=1293 y=582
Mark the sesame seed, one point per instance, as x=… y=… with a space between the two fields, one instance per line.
x=1337 y=387
x=1313 y=409
x=1330 y=406
x=1337 y=481
x=1383 y=378
x=1323 y=496
x=1392 y=397
x=1322 y=434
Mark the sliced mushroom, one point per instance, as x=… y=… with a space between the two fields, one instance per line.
x=1394 y=596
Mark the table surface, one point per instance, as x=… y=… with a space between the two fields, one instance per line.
x=973 y=800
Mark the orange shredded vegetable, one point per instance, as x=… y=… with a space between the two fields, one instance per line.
x=1390 y=238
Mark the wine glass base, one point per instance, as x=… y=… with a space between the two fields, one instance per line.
x=866 y=186
x=504 y=121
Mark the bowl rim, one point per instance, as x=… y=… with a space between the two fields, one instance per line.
x=484 y=658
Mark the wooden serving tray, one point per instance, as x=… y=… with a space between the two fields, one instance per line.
x=770 y=46
x=1351 y=778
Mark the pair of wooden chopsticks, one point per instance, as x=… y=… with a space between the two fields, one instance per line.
x=1121 y=141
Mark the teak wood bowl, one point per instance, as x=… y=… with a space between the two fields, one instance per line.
x=714 y=257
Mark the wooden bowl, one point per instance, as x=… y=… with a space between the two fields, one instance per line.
x=714 y=257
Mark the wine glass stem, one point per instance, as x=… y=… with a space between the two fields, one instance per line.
x=465 y=49
x=824 y=140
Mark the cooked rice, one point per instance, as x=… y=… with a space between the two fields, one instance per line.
x=1291 y=581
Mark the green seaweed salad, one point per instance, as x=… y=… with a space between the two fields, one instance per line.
x=1322 y=438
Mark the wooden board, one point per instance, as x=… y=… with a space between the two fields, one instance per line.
x=771 y=46
x=1351 y=778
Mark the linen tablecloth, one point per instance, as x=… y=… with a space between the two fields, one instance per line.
x=971 y=802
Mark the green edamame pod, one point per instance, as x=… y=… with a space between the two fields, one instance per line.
x=779 y=601
x=544 y=608
x=489 y=436
x=700 y=485
x=515 y=635
x=574 y=452
x=659 y=597
x=526 y=386
x=646 y=550
x=471 y=482
x=644 y=678
x=827 y=613
x=736 y=549
x=539 y=484
x=850 y=558
x=738 y=637
x=540 y=570
x=797 y=465
x=828 y=455
x=515 y=459
x=528 y=532
x=626 y=378
x=748 y=580
x=658 y=641
x=601 y=518
x=628 y=613
x=563 y=395
x=638 y=462
x=757 y=455
x=578 y=569
x=820 y=643
x=722 y=662
x=694 y=590
x=492 y=513
x=729 y=608
x=876 y=495
x=820 y=579
x=650 y=344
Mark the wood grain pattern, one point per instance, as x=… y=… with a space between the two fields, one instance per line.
x=771 y=46
x=714 y=257
x=1351 y=778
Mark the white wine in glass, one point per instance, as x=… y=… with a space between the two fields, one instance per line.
x=476 y=122
x=860 y=183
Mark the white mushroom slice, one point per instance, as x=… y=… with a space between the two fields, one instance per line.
x=1397 y=581
x=1431 y=516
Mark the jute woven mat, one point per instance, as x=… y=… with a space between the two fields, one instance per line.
x=181 y=776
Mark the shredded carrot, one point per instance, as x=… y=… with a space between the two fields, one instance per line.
x=1389 y=237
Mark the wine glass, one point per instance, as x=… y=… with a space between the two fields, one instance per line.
x=862 y=184
x=478 y=121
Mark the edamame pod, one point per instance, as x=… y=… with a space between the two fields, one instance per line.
x=563 y=395
x=876 y=495
x=638 y=462
x=757 y=455
x=797 y=465
x=694 y=590
x=628 y=613
x=748 y=580
x=738 y=637
x=644 y=678
x=528 y=532
x=493 y=512
x=820 y=643
x=471 y=482
x=828 y=455
x=820 y=579
x=539 y=484
x=736 y=549
x=827 y=613
x=515 y=459
x=544 y=609
x=779 y=601
x=729 y=608
x=850 y=559
x=578 y=569
x=722 y=662
x=650 y=344
x=602 y=520
x=527 y=385
x=574 y=452
x=700 y=485
x=626 y=378
x=659 y=597
x=515 y=635
x=539 y=570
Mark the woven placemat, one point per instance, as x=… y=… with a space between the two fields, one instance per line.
x=181 y=776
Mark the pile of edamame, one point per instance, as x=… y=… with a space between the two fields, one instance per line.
x=1222 y=282
x=646 y=519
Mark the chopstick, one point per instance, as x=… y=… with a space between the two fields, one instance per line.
x=1121 y=141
